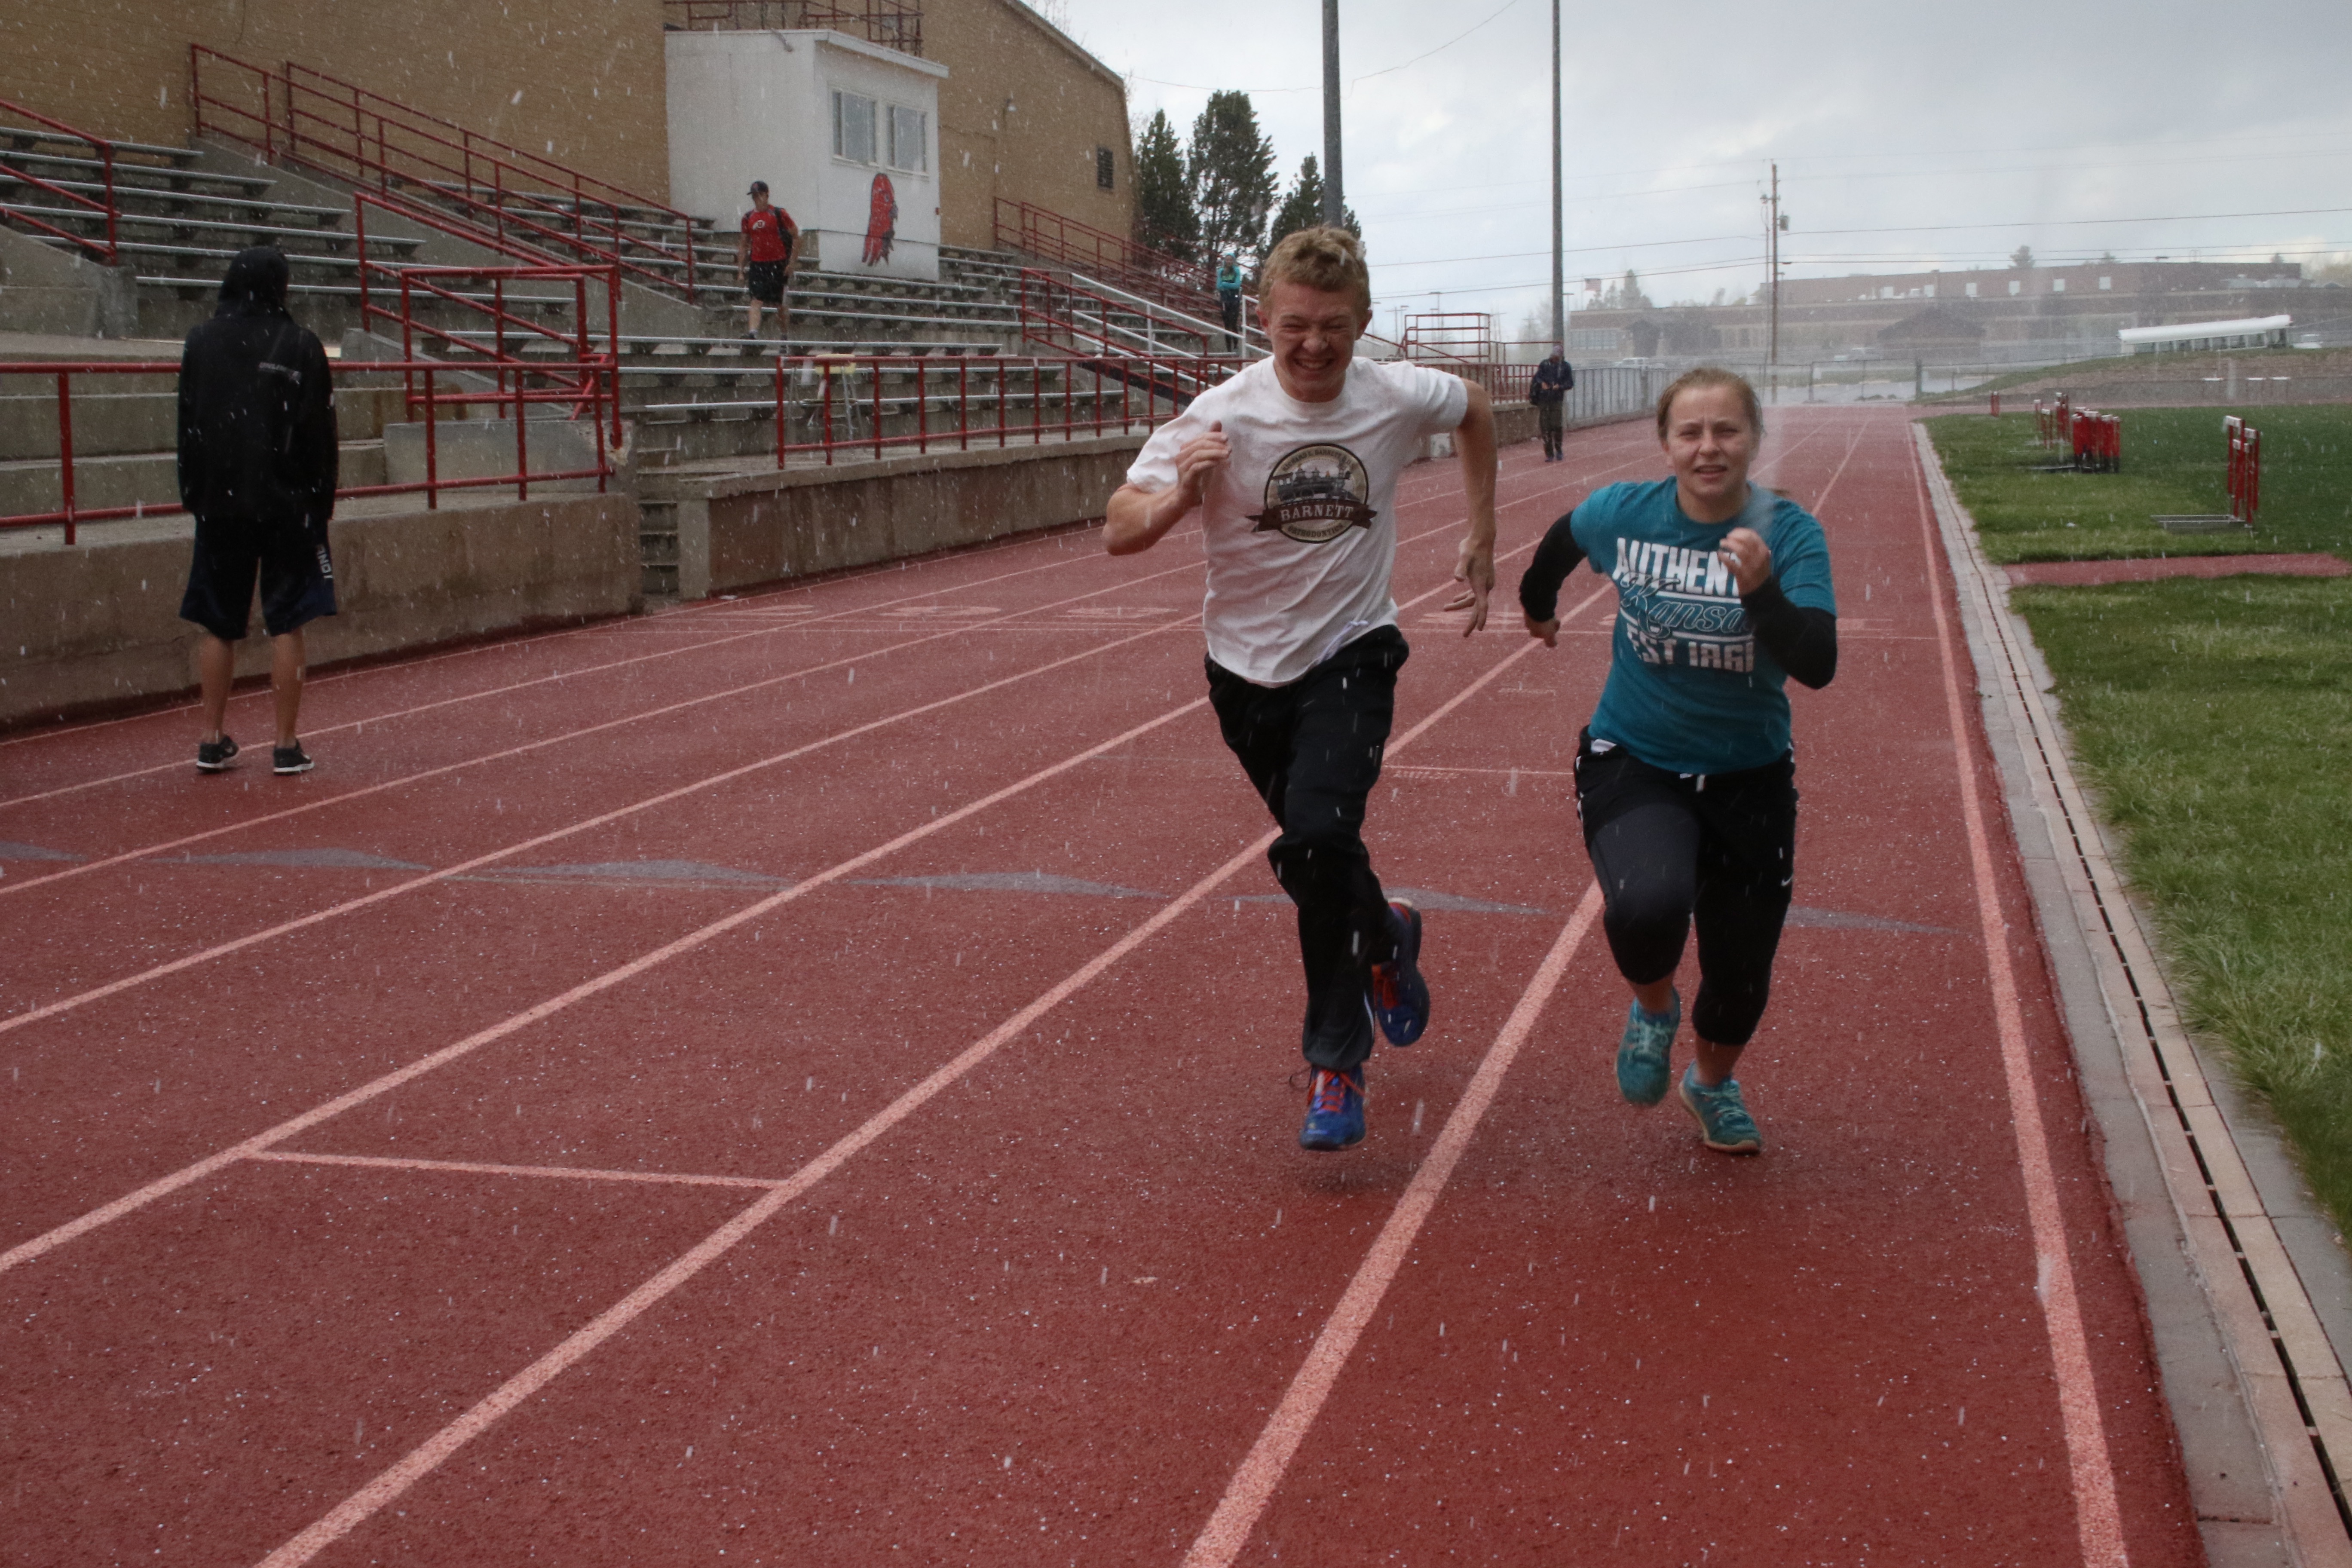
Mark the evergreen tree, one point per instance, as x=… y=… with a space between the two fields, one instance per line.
x=1303 y=208
x=1230 y=166
x=1630 y=295
x=1165 y=218
x=2023 y=258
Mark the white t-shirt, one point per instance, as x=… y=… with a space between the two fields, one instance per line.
x=1301 y=524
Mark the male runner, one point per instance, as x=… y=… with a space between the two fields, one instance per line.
x=1293 y=466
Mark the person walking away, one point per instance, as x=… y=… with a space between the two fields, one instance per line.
x=258 y=458
x=1293 y=467
x=1548 y=390
x=1686 y=779
x=764 y=243
x=1229 y=299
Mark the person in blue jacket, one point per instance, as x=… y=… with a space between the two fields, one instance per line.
x=1229 y=298
x=1685 y=778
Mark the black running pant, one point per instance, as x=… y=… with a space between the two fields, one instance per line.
x=1312 y=750
x=1672 y=849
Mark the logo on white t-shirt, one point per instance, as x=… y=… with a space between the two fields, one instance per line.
x=1315 y=494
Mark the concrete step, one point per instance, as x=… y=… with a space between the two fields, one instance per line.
x=149 y=480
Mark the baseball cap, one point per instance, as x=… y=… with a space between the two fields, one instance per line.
x=758 y=188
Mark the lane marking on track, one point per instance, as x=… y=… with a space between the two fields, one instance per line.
x=26 y=1251
x=394 y=890
x=475 y=1168
x=427 y=1456
x=377 y=896
x=1262 y=1469
x=180 y=763
x=2097 y=1517
x=845 y=661
x=998 y=623
x=746 y=602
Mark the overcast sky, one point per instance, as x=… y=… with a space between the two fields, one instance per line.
x=1948 y=134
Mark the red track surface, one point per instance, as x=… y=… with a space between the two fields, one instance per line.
x=599 y=1118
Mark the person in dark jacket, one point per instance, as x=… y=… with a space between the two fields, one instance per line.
x=257 y=469
x=1554 y=379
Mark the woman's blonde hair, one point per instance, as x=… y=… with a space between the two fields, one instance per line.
x=1325 y=258
x=1709 y=376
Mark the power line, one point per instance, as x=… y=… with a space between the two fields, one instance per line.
x=1580 y=250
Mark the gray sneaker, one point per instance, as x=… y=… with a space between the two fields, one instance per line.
x=1643 y=1051
x=1722 y=1115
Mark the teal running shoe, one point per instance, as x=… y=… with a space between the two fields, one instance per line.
x=1643 y=1049
x=1722 y=1115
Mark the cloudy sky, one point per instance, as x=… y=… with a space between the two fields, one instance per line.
x=1908 y=135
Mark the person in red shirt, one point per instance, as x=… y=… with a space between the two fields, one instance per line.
x=765 y=239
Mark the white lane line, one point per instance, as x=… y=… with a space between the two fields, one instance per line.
x=1262 y=1469
x=394 y=890
x=25 y=1252
x=2097 y=1517
x=475 y=1168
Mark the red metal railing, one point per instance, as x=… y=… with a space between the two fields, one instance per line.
x=2245 y=472
x=893 y=24
x=829 y=396
x=1187 y=286
x=350 y=133
x=1450 y=334
x=107 y=252
x=552 y=386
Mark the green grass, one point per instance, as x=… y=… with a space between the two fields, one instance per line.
x=2173 y=462
x=2213 y=719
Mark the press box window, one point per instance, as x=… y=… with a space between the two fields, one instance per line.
x=1104 y=168
x=853 y=127
x=908 y=139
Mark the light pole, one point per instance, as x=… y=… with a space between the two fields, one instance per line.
x=1335 y=204
x=1559 y=254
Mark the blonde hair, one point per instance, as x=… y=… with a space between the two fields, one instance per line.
x=1705 y=376
x=1327 y=259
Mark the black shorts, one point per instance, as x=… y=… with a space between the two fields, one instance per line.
x=765 y=280
x=298 y=577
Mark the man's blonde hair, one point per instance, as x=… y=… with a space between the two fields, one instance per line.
x=1325 y=258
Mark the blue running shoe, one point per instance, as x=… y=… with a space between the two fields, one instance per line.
x=1335 y=1112
x=1643 y=1049
x=1400 y=996
x=1722 y=1115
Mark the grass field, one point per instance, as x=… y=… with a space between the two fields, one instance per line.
x=2213 y=719
x=2173 y=462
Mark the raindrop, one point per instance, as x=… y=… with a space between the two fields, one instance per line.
x=1654 y=1203
x=835 y=1228
x=1441 y=1330
x=1416 y=1113
x=359 y=1431
x=812 y=1082
x=1278 y=1217
x=1964 y=1414
x=1008 y=1461
x=1106 y=1276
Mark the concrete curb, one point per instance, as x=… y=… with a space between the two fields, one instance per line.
x=2251 y=1305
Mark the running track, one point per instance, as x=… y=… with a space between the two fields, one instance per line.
x=804 y=1077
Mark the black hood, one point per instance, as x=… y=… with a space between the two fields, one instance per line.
x=256 y=284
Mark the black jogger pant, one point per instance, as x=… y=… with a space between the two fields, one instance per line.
x=1312 y=750
x=1671 y=847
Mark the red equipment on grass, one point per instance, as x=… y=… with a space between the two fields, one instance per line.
x=2245 y=445
x=2098 y=440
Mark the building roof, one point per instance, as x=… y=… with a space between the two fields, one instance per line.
x=2188 y=331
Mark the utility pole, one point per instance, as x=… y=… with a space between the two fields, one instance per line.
x=1335 y=202
x=1559 y=228
x=1775 y=223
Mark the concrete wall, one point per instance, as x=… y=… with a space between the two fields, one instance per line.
x=590 y=70
x=44 y=290
x=1020 y=114
x=98 y=625
x=737 y=529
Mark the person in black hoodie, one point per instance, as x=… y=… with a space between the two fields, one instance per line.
x=257 y=469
